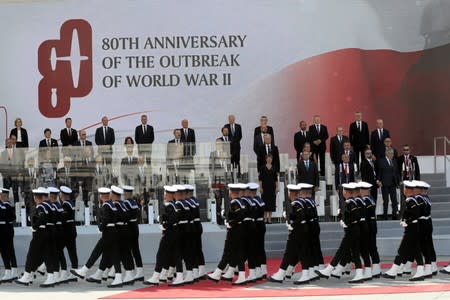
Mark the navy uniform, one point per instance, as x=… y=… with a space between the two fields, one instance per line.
x=249 y=238
x=261 y=269
x=39 y=219
x=168 y=245
x=364 y=233
x=69 y=229
x=7 y=220
x=59 y=236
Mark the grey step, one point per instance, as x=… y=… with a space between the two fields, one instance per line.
x=439 y=191
x=436 y=214
x=432 y=176
x=439 y=198
x=437 y=206
x=436 y=182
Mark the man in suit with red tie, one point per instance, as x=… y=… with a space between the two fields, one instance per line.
x=359 y=136
x=318 y=136
x=47 y=144
x=344 y=173
x=68 y=135
x=300 y=138
x=105 y=138
x=377 y=139
x=144 y=136
x=235 y=133
x=388 y=179
x=368 y=172
x=337 y=145
x=268 y=148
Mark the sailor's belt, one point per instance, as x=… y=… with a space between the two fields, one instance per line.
x=197 y=220
x=120 y=223
x=50 y=224
x=354 y=222
x=70 y=221
x=133 y=220
x=362 y=219
x=425 y=218
x=110 y=225
x=183 y=222
x=303 y=222
x=372 y=218
x=248 y=219
x=415 y=221
x=42 y=226
x=58 y=223
x=2 y=222
x=311 y=220
x=260 y=219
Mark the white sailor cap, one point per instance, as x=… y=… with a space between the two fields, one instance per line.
x=53 y=190
x=169 y=189
x=426 y=185
x=4 y=191
x=350 y=186
x=410 y=184
x=234 y=186
x=179 y=187
x=188 y=187
x=65 y=190
x=40 y=191
x=305 y=186
x=127 y=188
x=116 y=190
x=104 y=190
x=293 y=187
x=364 y=185
x=252 y=186
x=242 y=186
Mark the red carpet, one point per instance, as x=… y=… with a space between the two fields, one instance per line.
x=223 y=289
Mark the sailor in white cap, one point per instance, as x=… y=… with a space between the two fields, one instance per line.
x=168 y=246
x=371 y=220
x=39 y=238
x=409 y=245
x=249 y=232
x=233 y=252
x=7 y=220
x=134 y=211
x=70 y=231
x=350 y=241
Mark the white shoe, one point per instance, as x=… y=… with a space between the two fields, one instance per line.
x=139 y=274
x=163 y=275
x=278 y=276
x=312 y=274
x=49 y=282
x=215 y=276
x=14 y=273
x=445 y=270
x=337 y=272
x=170 y=273
x=229 y=274
x=128 y=279
x=81 y=273
x=201 y=272
x=326 y=272
x=154 y=280
x=42 y=269
x=189 y=278
x=71 y=277
x=195 y=274
x=7 y=277
x=258 y=272
x=96 y=277
x=392 y=272
x=112 y=273
x=56 y=277
x=105 y=274
x=251 y=275
x=241 y=279
x=434 y=269
x=63 y=276
x=304 y=279
x=420 y=274
x=178 y=280
x=26 y=279
x=348 y=269
x=427 y=271
x=376 y=270
x=117 y=282
x=289 y=272
x=264 y=271
x=367 y=273
x=359 y=277
x=407 y=268
x=400 y=270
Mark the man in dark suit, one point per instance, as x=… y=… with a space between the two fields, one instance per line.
x=83 y=142
x=344 y=173
x=307 y=170
x=388 y=179
x=235 y=132
x=105 y=138
x=174 y=154
x=128 y=166
x=258 y=130
x=368 y=172
x=68 y=176
x=408 y=165
x=79 y=148
x=388 y=145
x=377 y=139
x=359 y=136
x=337 y=145
x=188 y=139
x=20 y=133
x=300 y=138
x=68 y=135
x=258 y=140
x=144 y=136
x=48 y=141
x=318 y=135
x=268 y=148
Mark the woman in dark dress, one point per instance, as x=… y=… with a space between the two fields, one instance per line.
x=20 y=134
x=268 y=182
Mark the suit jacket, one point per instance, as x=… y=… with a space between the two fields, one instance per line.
x=409 y=170
x=388 y=174
x=43 y=143
x=67 y=140
x=322 y=135
x=311 y=175
x=269 y=131
x=261 y=157
x=376 y=144
x=86 y=142
x=142 y=138
x=337 y=148
x=100 y=139
x=188 y=141
x=235 y=139
x=340 y=176
x=24 y=135
x=359 y=138
x=368 y=171
x=299 y=142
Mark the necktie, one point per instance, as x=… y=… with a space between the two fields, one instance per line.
x=144 y=129
x=226 y=139
x=268 y=149
x=346 y=169
x=185 y=133
x=30 y=172
x=304 y=134
x=104 y=134
x=69 y=132
x=358 y=126
x=98 y=169
x=177 y=141
x=379 y=134
x=67 y=171
x=129 y=159
x=232 y=129
x=346 y=152
x=48 y=143
x=82 y=143
x=318 y=128
x=340 y=139
x=389 y=162
x=307 y=164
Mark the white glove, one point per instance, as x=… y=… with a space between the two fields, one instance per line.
x=157 y=219
x=222 y=212
x=161 y=227
x=403 y=224
x=343 y=224
x=284 y=214
x=338 y=211
x=227 y=224
x=289 y=227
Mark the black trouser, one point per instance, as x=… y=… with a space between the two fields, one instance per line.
x=260 y=246
x=233 y=251
x=111 y=254
x=199 y=258
x=374 y=193
x=249 y=241
x=320 y=155
x=316 y=249
x=349 y=244
x=389 y=191
x=409 y=246
x=50 y=256
x=186 y=242
x=429 y=239
x=5 y=247
x=133 y=230
x=175 y=257
x=364 y=243
x=298 y=248
x=124 y=243
x=96 y=252
x=425 y=232
x=372 y=241
x=70 y=242
x=37 y=251
x=167 y=247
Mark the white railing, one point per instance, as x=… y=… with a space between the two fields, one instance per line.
x=445 y=142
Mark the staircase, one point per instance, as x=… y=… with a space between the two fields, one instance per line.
x=389 y=232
